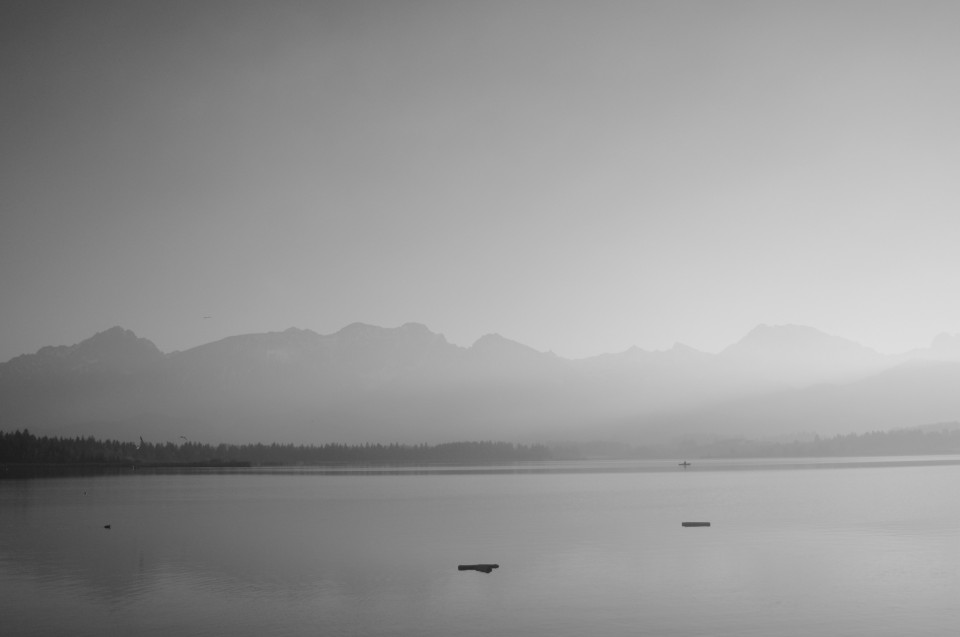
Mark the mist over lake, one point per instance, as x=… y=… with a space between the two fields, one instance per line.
x=532 y=254
x=805 y=548
x=370 y=384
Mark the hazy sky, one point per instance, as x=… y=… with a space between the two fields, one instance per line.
x=578 y=176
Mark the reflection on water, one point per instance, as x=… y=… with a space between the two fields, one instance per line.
x=866 y=547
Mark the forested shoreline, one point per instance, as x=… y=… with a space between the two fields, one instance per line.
x=895 y=442
x=23 y=447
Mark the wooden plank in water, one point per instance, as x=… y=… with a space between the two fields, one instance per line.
x=483 y=568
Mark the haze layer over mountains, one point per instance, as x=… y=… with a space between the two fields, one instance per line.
x=408 y=384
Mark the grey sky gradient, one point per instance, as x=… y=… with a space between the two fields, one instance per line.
x=578 y=176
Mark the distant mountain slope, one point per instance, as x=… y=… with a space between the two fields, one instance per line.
x=944 y=347
x=108 y=377
x=115 y=350
x=795 y=355
x=909 y=394
x=408 y=384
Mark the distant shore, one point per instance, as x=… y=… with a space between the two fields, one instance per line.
x=23 y=452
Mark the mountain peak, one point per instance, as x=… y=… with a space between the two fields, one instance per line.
x=790 y=338
x=296 y=331
x=686 y=350
x=495 y=341
x=358 y=328
x=797 y=354
x=113 y=334
x=359 y=332
x=500 y=351
x=115 y=349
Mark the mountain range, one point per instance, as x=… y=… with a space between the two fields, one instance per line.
x=408 y=384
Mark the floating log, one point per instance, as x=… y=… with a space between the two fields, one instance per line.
x=483 y=568
x=695 y=524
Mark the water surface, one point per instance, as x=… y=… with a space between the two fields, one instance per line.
x=838 y=547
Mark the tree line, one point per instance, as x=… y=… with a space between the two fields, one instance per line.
x=895 y=442
x=24 y=447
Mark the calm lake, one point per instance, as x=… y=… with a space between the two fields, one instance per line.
x=841 y=547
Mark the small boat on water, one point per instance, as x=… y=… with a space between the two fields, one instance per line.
x=684 y=464
x=483 y=568
x=694 y=524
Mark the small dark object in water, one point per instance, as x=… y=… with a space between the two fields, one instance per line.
x=106 y=526
x=695 y=524
x=483 y=568
x=684 y=464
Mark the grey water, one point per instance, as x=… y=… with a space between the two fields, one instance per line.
x=844 y=547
